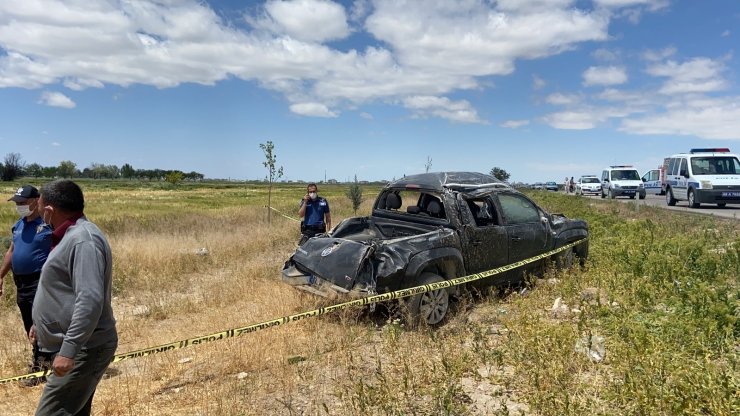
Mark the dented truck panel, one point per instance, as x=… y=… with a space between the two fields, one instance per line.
x=426 y=223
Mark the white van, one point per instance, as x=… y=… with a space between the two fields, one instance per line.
x=621 y=180
x=709 y=176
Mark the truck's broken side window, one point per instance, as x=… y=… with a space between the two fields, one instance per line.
x=483 y=212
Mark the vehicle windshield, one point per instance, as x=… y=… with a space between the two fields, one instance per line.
x=724 y=165
x=625 y=175
x=590 y=180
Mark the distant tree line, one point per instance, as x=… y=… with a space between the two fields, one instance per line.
x=14 y=167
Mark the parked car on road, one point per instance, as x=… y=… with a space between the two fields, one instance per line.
x=429 y=228
x=588 y=184
x=551 y=186
x=621 y=180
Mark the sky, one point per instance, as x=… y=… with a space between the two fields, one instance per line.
x=375 y=89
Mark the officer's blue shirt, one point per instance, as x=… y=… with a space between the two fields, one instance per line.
x=315 y=211
x=31 y=246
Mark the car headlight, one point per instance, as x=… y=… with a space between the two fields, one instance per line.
x=616 y=185
x=706 y=184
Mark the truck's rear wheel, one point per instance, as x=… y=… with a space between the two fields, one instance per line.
x=428 y=308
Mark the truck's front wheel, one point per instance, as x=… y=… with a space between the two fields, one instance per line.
x=430 y=307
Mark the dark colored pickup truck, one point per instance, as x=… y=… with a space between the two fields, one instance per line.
x=427 y=228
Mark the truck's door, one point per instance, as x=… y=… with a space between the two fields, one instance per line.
x=485 y=237
x=526 y=232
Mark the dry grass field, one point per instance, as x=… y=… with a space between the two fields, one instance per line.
x=660 y=290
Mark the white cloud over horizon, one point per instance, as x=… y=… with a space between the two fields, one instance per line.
x=605 y=75
x=421 y=56
x=56 y=99
x=433 y=48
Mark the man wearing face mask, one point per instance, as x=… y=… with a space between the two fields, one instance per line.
x=25 y=257
x=72 y=312
x=315 y=213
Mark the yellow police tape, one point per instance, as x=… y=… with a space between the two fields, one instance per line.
x=286 y=216
x=235 y=332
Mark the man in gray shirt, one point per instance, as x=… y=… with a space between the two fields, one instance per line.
x=72 y=312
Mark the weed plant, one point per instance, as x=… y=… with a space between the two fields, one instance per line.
x=660 y=289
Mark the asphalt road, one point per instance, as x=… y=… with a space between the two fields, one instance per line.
x=729 y=211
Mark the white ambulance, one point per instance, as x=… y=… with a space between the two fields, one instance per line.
x=710 y=176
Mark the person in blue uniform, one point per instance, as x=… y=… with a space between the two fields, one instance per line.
x=315 y=213
x=27 y=254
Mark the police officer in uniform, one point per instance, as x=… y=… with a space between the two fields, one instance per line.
x=314 y=211
x=25 y=257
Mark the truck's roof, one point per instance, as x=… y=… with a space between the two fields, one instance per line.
x=438 y=181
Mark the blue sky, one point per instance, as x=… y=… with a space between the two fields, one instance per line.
x=542 y=88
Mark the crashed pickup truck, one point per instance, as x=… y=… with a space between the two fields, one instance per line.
x=428 y=228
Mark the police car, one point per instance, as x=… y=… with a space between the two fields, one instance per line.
x=588 y=184
x=621 y=180
x=654 y=180
x=706 y=175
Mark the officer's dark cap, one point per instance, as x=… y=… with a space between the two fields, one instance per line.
x=24 y=193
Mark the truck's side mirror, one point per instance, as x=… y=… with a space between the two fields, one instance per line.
x=644 y=180
x=606 y=180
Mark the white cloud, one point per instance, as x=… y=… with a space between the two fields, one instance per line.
x=313 y=109
x=652 y=55
x=604 y=75
x=514 y=124
x=56 y=99
x=631 y=101
x=442 y=107
x=562 y=99
x=470 y=38
x=426 y=49
x=366 y=115
x=726 y=33
x=696 y=75
x=538 y=83
x=605 y=55
x=651 y=5
x=56 y=144
x=632 y=10
x=574 y=120
x=80 y=84
x=699 y=116
x=305 y=20
x=519 y=5
x=359 y=10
